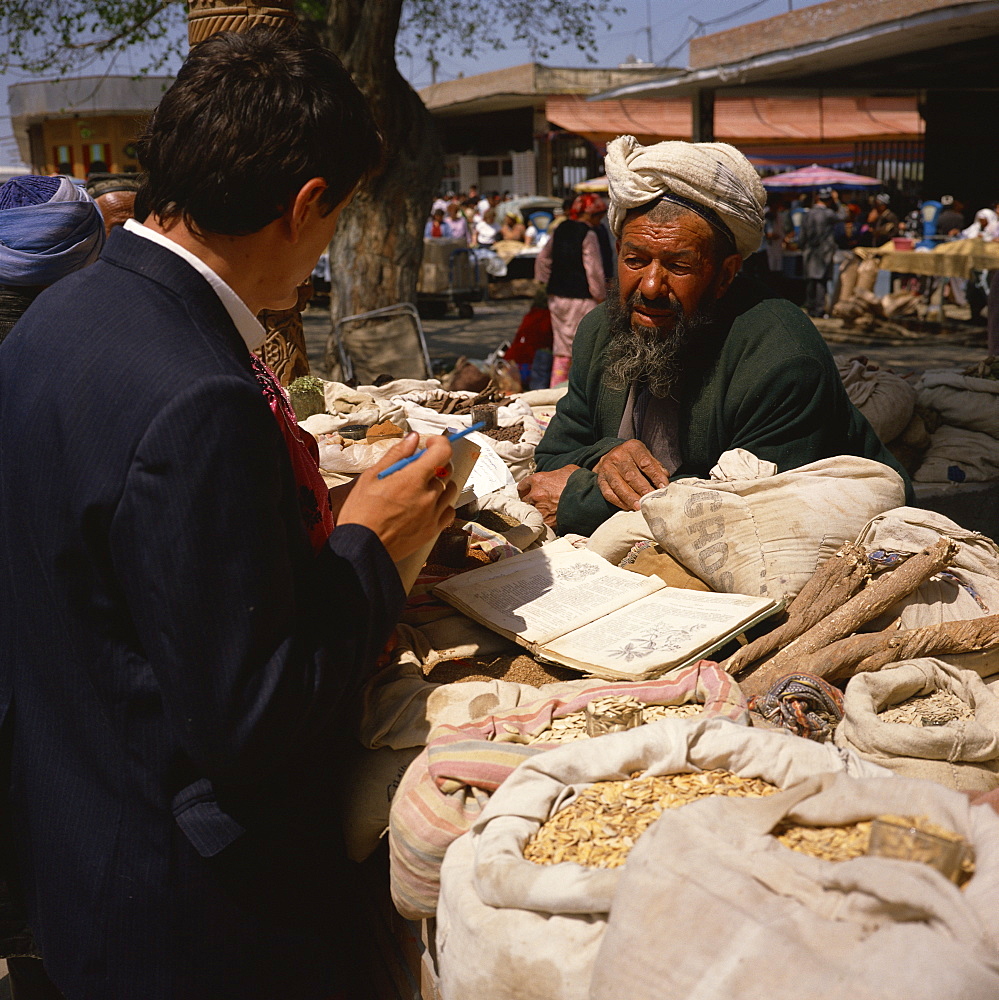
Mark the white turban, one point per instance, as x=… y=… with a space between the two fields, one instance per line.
x=713 y=176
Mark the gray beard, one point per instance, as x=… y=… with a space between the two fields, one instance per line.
x=634 y=354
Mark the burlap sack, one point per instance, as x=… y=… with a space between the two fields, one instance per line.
x=751 y=530
x=711 y=906
x=887 y=400
x=867 y=276
x=509 y=929
x=962 y=400
x=959 y=455
x=847 y=282
x=962 y=754
x=448 y=785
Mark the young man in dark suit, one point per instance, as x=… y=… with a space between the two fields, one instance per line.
x=179 y=638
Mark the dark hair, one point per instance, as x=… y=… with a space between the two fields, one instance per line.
x=251 y=118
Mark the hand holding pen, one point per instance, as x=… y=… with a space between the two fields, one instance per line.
x=440 y=471
x=409 y=508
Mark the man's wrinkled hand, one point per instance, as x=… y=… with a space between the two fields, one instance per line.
x=626 y=473
x=543 y=489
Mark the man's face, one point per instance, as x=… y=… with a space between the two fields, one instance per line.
x=666 y=270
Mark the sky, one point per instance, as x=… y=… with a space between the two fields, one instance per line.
x=661 y=28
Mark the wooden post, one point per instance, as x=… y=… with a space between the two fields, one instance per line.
x=284 y=342
x=703 y=103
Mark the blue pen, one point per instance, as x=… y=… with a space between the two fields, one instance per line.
x=403 y=462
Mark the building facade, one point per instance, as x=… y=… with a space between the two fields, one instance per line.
x=83 y=125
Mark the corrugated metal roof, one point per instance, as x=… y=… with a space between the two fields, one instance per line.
x=740 y=120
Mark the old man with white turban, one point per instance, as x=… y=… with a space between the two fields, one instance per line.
x=687 y=357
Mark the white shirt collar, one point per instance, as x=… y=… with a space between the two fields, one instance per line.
x=245 y=322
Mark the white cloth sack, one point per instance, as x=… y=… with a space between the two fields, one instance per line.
x=962 y=400
x=531 y=527
x=751 y=530
x=614 y=538
x=969 y=590
x=509 y=929
x=401 y=707
x=887 y=400
x=963 y=754
x=959 y=455
x=711 y=906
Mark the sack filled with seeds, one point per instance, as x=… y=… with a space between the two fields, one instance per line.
x=448 y=785
x=925 y=719
x=513 y=928
x=776 y=897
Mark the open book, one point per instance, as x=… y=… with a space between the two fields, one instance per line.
x=573 y=607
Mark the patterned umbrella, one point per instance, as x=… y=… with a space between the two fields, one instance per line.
x=814 y=177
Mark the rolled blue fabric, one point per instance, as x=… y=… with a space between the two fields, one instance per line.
x=43 y=242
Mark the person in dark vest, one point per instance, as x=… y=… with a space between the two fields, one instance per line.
x=571 y=266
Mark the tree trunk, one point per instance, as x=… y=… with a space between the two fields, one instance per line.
x=376 y=251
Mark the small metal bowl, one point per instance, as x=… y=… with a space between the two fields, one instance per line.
x=353 y=432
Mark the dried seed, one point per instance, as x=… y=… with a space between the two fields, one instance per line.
x=627 y=808
x=940 y=708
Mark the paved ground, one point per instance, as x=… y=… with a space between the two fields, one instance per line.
x=497 y=321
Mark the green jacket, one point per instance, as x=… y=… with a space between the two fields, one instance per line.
x=766 y=383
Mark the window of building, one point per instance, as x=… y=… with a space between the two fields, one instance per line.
x=63 y=159
x=99 y=153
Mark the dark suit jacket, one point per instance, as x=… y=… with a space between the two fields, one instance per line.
x=175 y=658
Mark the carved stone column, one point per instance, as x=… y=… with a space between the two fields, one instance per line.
x=205 y=17
x=284 y=345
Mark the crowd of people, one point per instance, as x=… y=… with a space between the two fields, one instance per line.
x=482 y=221
x=826 y=228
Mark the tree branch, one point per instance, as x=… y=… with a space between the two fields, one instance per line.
x=860 y=653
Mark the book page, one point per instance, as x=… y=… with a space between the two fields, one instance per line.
x=542 y=595
x=664 y=628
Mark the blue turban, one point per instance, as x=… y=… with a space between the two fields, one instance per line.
x=48 y=228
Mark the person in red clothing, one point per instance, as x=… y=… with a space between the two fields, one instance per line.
x=533 y=334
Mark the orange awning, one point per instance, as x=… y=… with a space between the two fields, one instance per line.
x=742 y=120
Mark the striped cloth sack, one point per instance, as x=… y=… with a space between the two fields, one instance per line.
x=449 y=784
